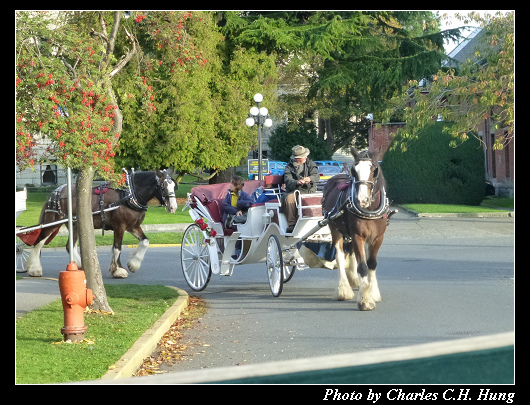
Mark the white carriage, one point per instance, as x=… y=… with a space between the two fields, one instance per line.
x=208 y=247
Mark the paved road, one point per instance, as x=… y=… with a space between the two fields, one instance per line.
x=439 y=279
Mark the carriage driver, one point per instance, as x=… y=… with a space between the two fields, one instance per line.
x=300 y=174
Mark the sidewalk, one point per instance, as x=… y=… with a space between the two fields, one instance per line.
x=33 y=293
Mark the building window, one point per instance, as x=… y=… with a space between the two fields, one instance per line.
x=48 y=174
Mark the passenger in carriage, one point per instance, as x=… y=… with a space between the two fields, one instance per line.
x=236 y=203
x=300 y=174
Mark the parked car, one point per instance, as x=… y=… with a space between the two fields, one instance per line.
x=277 y=167
x=326 y=173
x=328 y=163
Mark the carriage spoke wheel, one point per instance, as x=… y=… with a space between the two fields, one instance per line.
x=275 y=265
x=22 y=255
x=195 y=258
x=288 y=273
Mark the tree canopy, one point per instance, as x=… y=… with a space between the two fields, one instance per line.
x=64 y=89
x=185 y=93
x=340 y=66
x=199 y=92
x=483 y=87
x=65 y=65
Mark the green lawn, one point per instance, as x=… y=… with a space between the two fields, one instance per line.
x=41 y=358
x=447 y=208
x=155 y=238
x=499 y=202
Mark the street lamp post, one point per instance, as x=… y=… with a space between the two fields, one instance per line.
x=259 y=116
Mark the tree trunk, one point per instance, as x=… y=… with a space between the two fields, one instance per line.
x=87 y=240
x=223 y=176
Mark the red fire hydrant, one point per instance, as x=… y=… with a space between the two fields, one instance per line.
x=76 y=297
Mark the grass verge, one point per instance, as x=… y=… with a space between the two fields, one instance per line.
x=448 y=208
x=42 y=357
x=489 y=204
x=107 y=240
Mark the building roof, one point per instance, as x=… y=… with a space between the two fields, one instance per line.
x=465 y=50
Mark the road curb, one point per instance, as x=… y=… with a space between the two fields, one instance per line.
x=499 y=214
x=146 y=344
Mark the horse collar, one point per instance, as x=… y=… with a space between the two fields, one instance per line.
x=131 y=200
x=353 y=207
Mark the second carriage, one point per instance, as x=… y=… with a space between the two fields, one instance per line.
x=209 y=247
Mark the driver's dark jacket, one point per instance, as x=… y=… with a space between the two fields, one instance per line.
x=290 y=177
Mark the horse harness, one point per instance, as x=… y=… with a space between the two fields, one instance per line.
x=54 y=202
x=127 y=196
x=348 y=193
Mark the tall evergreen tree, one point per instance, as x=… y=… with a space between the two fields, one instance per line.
x=347 y=63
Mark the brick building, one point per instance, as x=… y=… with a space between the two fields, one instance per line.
x=380 y=136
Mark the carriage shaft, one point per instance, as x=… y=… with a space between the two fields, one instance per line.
x=318 y=226
x=62 y=221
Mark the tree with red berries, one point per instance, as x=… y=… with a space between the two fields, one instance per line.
x=65 y=66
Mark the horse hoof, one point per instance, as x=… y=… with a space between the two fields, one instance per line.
x=366 y=305
x=344 y=294
x=120 y=272
x=35 y=272
x=134 y=265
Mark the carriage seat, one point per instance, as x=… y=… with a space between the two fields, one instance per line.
x=309 y=205
x=274 y=183
x=273 y=180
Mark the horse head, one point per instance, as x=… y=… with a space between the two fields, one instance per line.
x=365 y=172
x=167 y=187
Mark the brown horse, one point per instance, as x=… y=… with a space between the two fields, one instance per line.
x=358 y=234
x=132 y=202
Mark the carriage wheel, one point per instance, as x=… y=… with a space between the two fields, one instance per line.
x=22 y=255
x=195 y=258
x=288 y=273
x=275 y=265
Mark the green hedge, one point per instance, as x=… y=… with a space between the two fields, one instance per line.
x=432 y=172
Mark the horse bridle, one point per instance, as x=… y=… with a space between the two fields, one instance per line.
x=163 y=186
x=369 y=183
x=351 y=201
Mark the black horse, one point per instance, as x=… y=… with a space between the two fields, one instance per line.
x=358 y=233
x=132 y=202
